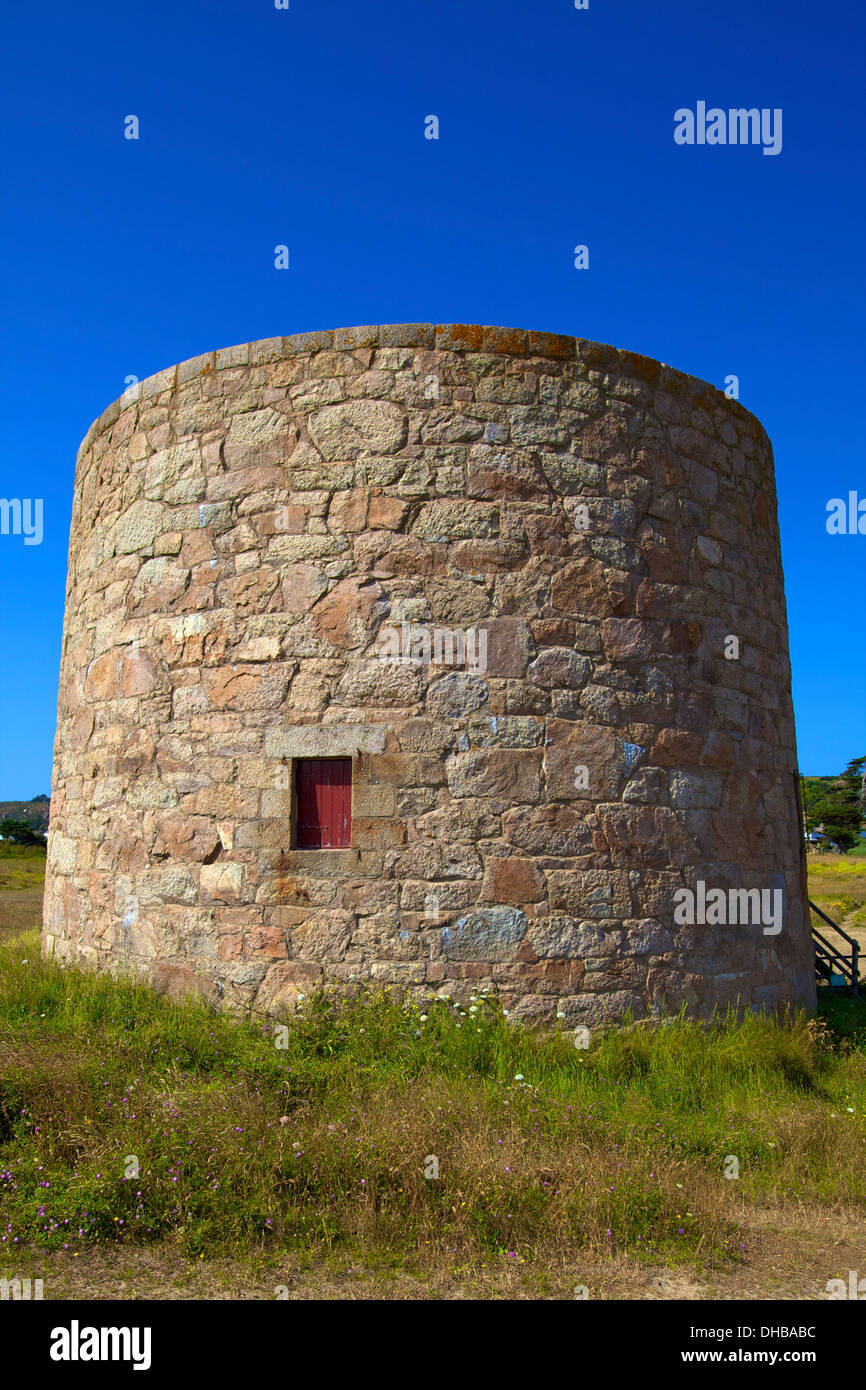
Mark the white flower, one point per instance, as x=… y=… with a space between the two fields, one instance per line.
x=519 y=1076
x=560 y=1015
x=423 y=1018
x=505 y=1013
x=473 y=1009
x=300 y=997
x=849 y=1108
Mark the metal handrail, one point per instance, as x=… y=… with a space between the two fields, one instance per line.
x=831 y=950
x=834 y=925
x=835 y=957
x=828 y=952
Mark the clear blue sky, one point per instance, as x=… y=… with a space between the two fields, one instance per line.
x=306 y=127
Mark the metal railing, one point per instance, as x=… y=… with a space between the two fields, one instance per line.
x=830 y=960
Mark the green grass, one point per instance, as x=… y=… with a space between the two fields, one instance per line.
x=837 y=884
x=21 y=866
x=542 y=1149
x=845 y=1018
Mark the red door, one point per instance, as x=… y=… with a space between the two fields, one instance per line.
x=323 y=788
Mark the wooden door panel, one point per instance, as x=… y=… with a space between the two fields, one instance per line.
x=324 y=803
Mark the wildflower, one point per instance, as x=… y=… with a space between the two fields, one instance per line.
x=519 y=1076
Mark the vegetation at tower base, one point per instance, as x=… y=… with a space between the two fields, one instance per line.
x=544 y=1153
x=529 y=586
x=307 y=1162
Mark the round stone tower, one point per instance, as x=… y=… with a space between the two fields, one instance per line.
x=442 y=657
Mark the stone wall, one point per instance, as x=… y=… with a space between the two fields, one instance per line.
x=248 y=531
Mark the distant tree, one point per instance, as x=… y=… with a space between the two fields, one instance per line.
x=815 y=790
x=20 y=833
x=41 y=797
x=840 y=808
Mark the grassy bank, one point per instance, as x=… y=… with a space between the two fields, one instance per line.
x=21 y=866
x=125 y=1118
x=129 y=1123
x=22 y=878
x=837 y=883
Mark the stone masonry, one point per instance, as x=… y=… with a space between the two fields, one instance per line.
x=249 y=527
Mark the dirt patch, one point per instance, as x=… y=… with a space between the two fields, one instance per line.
x=789 y=1256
